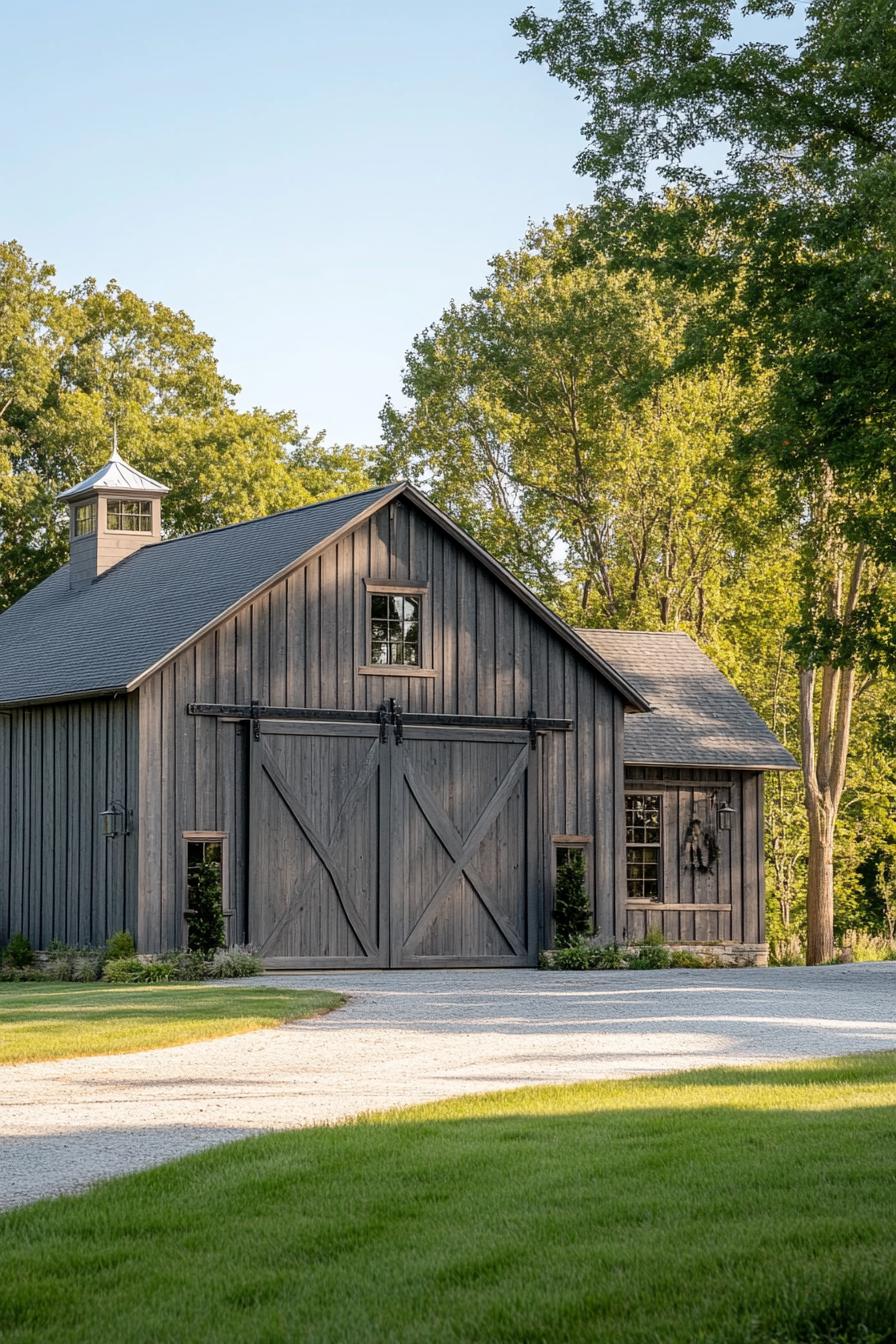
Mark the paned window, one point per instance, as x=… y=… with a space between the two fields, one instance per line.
x=129 y=515
x=394 y=630
x=643 y=841
x=85 y=518
x=204 y=851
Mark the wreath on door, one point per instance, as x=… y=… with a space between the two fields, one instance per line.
x=701 y=847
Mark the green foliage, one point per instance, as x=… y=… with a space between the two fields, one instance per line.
x=205 y=917
x=792 y=252
x=120 y=944
x=233 y=963
x=546 y=414
x=73 y=963
x=124 y=970
x=18 y=952
x=680 y=959
x=71 y=360
x=572 y=906
x=651 y=953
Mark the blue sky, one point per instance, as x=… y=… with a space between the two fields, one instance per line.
x=311 y=182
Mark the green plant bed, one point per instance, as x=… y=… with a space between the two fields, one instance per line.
x=748 y=1206
x=53 y=1021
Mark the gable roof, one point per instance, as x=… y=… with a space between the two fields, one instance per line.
x=57 y=643
x=698 y=717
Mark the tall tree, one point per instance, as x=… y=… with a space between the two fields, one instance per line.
x=793 y=239
x=547 y=415
x=73 y=360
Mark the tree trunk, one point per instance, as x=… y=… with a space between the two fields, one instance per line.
x=823 y=756
x=820 y=893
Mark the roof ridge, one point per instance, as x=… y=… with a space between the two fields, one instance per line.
x=612 y=630
x=283 y=513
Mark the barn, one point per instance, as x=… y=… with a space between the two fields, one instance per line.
x=383 y=739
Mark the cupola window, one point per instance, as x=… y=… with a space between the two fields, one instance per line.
x=129 y=515
x=85 y=518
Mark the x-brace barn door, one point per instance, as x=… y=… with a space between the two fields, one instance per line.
x=318 y=845
x=464 y=848
x=376 y=847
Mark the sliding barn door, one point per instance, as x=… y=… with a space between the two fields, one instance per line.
x=389 y=849
x=464 y=859
x=317 y=880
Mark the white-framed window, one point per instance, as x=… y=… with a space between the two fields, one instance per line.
x=643 y=846
x=129 y=515
x=85 y=518
x=394 y=625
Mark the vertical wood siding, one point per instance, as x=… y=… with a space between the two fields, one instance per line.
x=60 y=767
x=738 y=877
x=302 y=644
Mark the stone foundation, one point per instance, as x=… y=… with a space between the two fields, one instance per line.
x=729 y=954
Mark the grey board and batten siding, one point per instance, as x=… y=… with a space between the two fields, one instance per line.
x=726 y=904
x=59 y=877
x=486 y=652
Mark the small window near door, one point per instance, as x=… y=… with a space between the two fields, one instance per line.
x=567 y=847
x=643 y=844
x=207 y=847
x=394 y=629
x=205 y=851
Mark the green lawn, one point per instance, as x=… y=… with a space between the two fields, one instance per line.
x=729 y=1206
x=48 y=1021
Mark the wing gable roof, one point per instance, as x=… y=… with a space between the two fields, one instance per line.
x=697 y=716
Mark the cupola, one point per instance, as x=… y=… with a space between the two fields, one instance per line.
x=115 y=512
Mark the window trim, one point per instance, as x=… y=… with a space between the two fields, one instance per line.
x=373 y=587
x=221 y=838
x=646 y=902
x=583 y=842
x=112 y=500
x=91 y=506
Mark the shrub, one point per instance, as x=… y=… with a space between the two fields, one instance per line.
x=205 y=917
x=235 y=962
x=19 y=953
x=572 y=908
x=681 y=959
x=866 y=947
x=610 y=958
x=120 y=945
x=651 y=953
x=158 y=972
x=577 y=956
x=73 y=963
x=124 y=970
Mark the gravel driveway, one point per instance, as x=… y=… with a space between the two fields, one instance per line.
x=408 y=1036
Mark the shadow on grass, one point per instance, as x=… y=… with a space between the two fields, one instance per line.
x=472 y=1221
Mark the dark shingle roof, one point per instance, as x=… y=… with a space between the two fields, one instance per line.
x=57 y=643
x=698 y=717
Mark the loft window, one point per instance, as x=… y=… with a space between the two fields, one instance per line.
x=129 y=515
x=643 y=842
x=85 y=518
x=394 y=629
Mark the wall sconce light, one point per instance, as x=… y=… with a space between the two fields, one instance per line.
x=116 y=820
x=726 y=812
